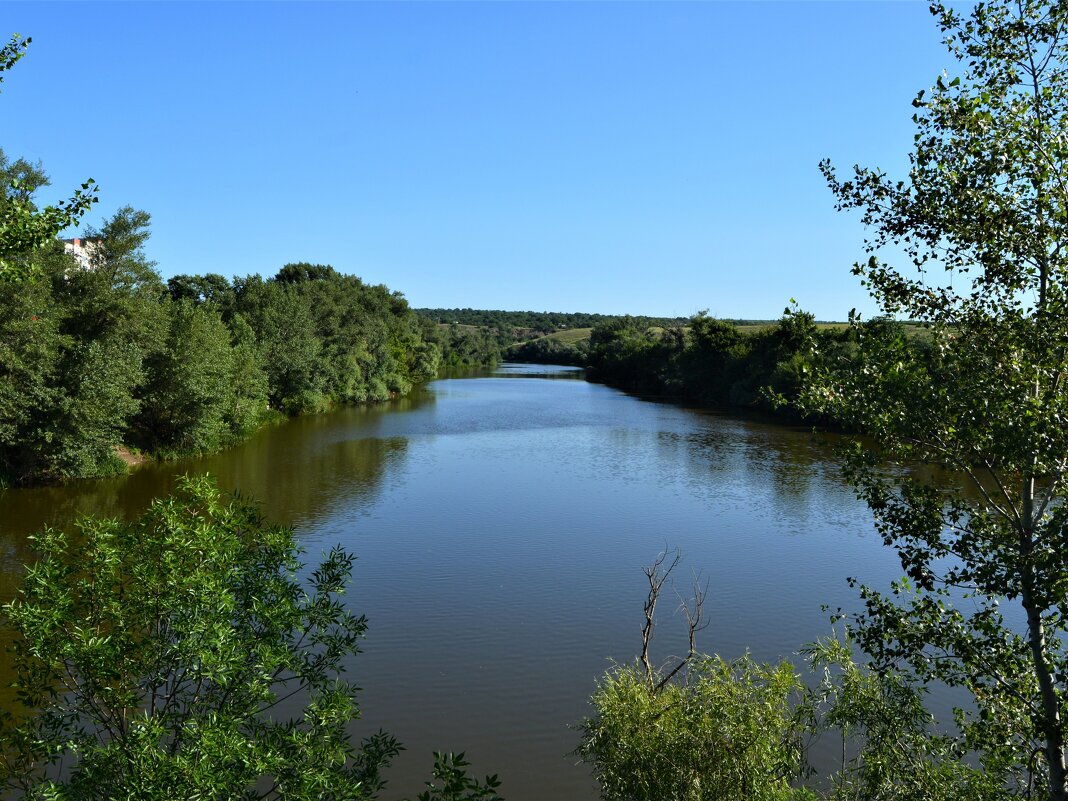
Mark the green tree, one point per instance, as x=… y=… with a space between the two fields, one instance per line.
x=65 y=400
x=119 y=255
x=209 y=288
x=97 y=380
x=702 y=730
x=20 y=178
x=890 y=744
x=285 y=333
x=11 y=52
x=302 y=271
x=188 y=391
x=122 y=295
x=702 y=727
x=180 y=656
x=738 y=730
x=983 y=219
x=158 y=653
x=23 y=226
x=31 y=347
x=248 y=381
x=727 y=733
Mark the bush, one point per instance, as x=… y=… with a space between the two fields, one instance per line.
x=152 y=658
x=728 y=733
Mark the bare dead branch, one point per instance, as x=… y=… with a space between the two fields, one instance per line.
x=656 y=574
x=695 y=622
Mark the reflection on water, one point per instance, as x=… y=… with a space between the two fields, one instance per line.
x=293 y=469
x=551 y=372
x=501 y=523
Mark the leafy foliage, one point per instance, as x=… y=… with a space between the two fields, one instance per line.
x=464 y=346
x=729 y=732
x=158 y=655
x=711 y=360
x=982 y=218
x=191 y=384
x=471 y=337
x=456 y=785
x=548 y=350
x=180 y=656
x=891 y=747
x=518 y=323
x=740 y=729
x=11 y=52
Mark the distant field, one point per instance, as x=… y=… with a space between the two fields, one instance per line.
x=752 y=328
x=570 y=335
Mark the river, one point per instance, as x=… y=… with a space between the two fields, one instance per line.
x=501 y=523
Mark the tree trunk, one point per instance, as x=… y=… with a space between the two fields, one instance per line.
x=1050 y=720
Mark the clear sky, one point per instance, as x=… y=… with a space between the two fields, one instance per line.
x=650 y=158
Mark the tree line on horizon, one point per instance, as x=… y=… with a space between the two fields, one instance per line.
x=523 y=324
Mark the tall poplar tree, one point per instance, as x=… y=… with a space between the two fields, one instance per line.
x=982 y=221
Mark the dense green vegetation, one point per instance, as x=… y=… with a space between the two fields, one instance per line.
x=741 y=729
x=164 y=659
x=726 y=734
x=465 y=345
x=552 y=349
x=483 y=336
x=744 y=365
x=710 y=360
x=709 y=729
x=96 y=359
x=741 y=365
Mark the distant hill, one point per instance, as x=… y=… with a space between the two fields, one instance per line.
x=533 y=322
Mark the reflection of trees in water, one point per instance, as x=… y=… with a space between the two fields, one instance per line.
x=545 y=373
x=787 y=468
x=345 y=472
x=772 y=475
x=296 y=470
x=725 y=457
x=782 y=462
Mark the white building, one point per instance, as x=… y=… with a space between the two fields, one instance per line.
x=82 y=250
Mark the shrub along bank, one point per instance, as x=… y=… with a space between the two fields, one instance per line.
x=722 y=364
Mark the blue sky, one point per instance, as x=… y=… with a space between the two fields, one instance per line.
x=648 y=158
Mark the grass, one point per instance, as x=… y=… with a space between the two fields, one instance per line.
x=753 y=328
x=570 y=335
